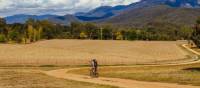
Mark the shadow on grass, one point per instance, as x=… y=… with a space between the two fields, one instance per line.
x=193 y=69
x=48 y=66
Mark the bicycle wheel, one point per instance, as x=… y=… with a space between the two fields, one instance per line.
x=92 y=73
x=97 y=75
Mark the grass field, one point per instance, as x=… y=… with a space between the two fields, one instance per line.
x=31 y=78
x=182 y=74
x=79 y=52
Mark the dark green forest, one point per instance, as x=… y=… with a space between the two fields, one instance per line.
x=34 y=30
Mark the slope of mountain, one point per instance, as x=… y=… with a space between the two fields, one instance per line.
x=22 y=18
x=159 y=13
x=100 y=13
x=180 y=12
x=184 y=3
x=106 y=12
x=64 y=20
x=171 y=3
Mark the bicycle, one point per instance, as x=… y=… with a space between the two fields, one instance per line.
x=94 y=73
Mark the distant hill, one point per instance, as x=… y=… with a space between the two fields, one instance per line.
x=22 y=18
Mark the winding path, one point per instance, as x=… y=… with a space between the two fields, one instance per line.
x=191 y=50
x=124 y=83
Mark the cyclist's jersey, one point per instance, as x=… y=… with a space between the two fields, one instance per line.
x=93 y=64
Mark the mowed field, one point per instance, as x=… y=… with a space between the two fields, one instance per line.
x=79 y=52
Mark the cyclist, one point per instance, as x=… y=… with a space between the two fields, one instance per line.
x=94 y=68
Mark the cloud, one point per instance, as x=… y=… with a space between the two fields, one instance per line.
x=58 y=7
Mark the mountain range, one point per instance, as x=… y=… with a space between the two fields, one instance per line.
x=21 y=18
x=136 y=14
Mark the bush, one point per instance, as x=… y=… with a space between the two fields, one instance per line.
x=2 y=38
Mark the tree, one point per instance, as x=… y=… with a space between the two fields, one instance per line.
x=106 y=32
x=2 y=22
x=14 y=36
x=30 y=33
x=186 y=32
x=30 y=21
x=196 y=33
x=92 y=30
x=198 y=21
x=76 y=28
x=131 y=35
x=35 y=34
x=39 y=35
x=3 y=28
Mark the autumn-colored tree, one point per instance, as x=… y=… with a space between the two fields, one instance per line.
x=119 y=36
x=83 y=35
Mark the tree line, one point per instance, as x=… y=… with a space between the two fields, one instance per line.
x=34 y=30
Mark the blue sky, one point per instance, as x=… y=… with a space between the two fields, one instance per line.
x=58 y=7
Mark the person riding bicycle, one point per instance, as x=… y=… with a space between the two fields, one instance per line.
x=94 y=69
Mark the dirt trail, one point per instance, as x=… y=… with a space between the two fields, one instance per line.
x=124 y=83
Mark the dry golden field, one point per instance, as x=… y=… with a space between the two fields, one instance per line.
x=79 y=52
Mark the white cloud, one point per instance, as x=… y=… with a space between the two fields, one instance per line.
x=59 y=7
x=5 y=3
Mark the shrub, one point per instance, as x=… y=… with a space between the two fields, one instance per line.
x=2 y=38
